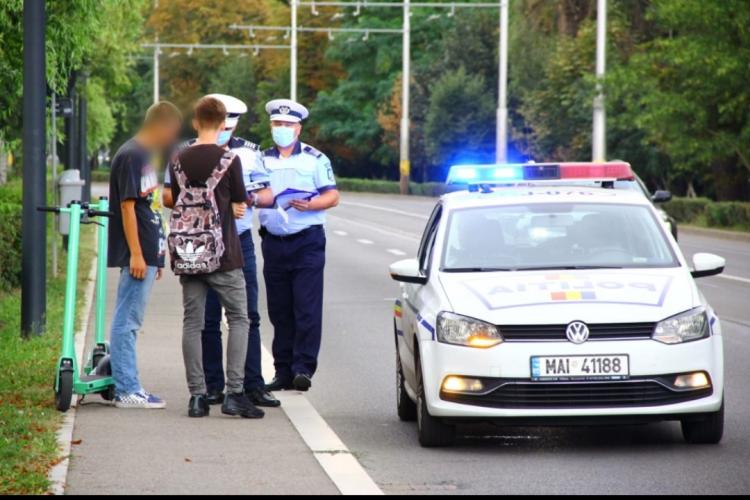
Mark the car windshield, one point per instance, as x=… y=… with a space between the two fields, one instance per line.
x=554 y=236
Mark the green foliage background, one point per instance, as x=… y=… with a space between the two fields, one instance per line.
x=678 y=102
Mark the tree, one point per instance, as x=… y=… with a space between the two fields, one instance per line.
x=460 y=120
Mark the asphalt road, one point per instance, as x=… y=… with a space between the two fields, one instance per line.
x=354 y=388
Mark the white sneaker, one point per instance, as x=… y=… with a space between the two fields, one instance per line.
x=142 y=400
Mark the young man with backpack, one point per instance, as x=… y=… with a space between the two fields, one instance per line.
x=209 y=193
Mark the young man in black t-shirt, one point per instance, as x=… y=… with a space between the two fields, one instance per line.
x=136 y=245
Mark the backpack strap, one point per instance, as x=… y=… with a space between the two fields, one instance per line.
x=221 y=168
x=179 y=173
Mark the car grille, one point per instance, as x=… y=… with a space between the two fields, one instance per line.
x=556 y=395
x=600 y=331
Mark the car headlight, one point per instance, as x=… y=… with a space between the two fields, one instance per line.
x=685 y=327
x=462 y=330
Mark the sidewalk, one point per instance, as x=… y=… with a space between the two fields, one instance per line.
x=164 y=451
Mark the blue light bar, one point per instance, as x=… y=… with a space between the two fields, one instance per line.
x=514 y=172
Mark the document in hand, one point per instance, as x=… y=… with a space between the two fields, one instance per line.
x=282 y=201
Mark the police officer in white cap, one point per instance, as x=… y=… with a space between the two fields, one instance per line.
x=294 y=244
x=255 y=178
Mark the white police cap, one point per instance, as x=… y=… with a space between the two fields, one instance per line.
x=234 y=107
x=286 y=110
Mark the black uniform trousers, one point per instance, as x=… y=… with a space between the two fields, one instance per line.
x=293 y=271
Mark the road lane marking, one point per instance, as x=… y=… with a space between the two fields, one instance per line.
x=364 y=241
x=734 y=278
x=340 y=233
x=379 y=229
x=384 y=209
x=342 y=468
x=395 y=251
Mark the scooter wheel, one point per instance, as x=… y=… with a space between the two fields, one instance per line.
x=64 y=393
x=108 y=394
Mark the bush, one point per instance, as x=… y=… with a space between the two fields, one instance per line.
x=687 y=210
x=10 y=244
x=732 y=214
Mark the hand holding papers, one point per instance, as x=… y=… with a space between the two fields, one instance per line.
x=282 y=201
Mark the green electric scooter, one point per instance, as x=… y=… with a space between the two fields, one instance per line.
x=97 y=374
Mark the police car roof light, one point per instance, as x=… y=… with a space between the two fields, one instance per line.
x=499 y=174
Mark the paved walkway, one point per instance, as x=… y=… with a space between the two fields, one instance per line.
x=141 y=451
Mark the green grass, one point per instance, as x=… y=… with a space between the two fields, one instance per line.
x=28 y=418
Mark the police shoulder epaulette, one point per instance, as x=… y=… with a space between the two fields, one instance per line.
x=269 y=152
x=312 y=151
x=239 y=142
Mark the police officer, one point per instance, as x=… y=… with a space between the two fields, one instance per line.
x=293 y=244
x=255 y=176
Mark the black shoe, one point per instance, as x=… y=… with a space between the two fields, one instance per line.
x=260 y=397
x=215 y=397
x=278 y=384
x=302 y=382
x=237 y=404
x=198 y=406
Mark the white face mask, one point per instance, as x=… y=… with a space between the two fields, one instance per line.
x=283 y=136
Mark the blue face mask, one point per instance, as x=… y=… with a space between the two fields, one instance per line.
x=224 y=137
x=283 y=136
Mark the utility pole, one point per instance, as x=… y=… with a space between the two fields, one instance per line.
x=404 y=163
x=157 y=51
x=599 y=134
x=501 y=142
x=34 y=229
x=293 y=53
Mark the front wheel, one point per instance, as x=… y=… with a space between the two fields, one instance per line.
x=709 y=430
x=433 y=432
x=64 y=392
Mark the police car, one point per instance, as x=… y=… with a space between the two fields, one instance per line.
x=532 y=302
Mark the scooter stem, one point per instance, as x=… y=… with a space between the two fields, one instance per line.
x=101 y=273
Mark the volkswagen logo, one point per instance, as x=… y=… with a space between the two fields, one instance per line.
x=577 y=332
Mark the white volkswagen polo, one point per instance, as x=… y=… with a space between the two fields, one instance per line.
x=536 y=301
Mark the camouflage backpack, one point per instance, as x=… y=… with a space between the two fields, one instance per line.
x=195 y=239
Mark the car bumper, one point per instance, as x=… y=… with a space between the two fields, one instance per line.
x=511 y=361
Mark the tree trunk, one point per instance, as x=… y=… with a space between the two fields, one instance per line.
x=3 y=163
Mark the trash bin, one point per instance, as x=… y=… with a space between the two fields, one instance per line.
x=70 y=185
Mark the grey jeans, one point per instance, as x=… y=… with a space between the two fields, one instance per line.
x=230 y=287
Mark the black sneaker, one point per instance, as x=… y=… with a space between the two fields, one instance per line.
x=278 y=384
x=260 y=397
x=302 y=382
x=237 y=404
x=215 y=397
x=198 y=406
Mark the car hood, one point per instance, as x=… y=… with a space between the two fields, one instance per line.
x=555 y=297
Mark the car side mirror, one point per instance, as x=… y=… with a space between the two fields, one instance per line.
x=661 y=196
x=407 y=271
x=707 y=264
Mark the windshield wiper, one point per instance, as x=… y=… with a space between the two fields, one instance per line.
x=476 y=269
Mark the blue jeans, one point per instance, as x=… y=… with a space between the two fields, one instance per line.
x=132 y=296
x=213 y=354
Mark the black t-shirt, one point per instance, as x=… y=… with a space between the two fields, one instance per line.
x=133 y=178
x=198 y=162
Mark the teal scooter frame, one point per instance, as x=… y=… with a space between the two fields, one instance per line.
x=96 y=377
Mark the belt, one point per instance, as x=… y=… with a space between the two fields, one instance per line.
x=289 y=237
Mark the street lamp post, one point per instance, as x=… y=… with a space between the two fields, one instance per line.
x=293 y=53
x=599 y=133
x=501 y=142
x=157 y=51
x=404 y=163
x=34 y=228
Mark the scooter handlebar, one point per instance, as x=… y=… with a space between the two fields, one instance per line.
x=55 y=210
x=100 y=213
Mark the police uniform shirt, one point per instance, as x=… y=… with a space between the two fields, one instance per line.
x=307 y=170
x=253 y=172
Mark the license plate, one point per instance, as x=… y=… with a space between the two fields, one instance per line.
x=607 y=367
